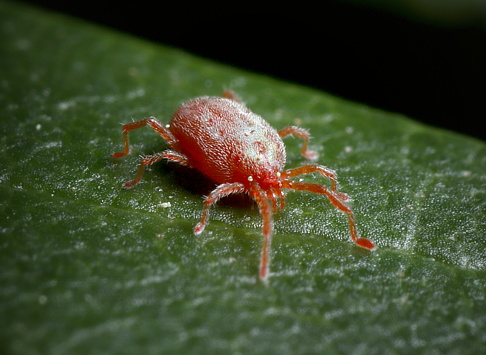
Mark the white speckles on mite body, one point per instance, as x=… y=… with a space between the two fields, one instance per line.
x=223 y=127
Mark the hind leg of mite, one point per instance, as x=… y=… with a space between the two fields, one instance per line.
x=170 y=155
x=154 y=124
x=151 y=159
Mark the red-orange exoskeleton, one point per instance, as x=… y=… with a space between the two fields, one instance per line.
x=242 y=153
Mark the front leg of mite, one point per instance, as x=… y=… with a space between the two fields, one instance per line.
x=303 y=134
x=265 y=208
x=336 y=200
x=219 y=192
x=324 y=171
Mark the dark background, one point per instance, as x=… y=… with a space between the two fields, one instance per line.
x=433 y=70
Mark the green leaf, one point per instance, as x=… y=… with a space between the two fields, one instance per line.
x=87 y=267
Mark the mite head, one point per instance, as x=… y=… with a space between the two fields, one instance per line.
x=261 y=165
x=266 y=179
x=261 y=158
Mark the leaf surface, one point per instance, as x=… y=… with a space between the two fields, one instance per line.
x=87 y=267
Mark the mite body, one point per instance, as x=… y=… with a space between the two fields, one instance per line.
x=242 y=153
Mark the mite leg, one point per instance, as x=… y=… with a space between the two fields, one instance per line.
x=338 y=203
x=152 y=122
x=301 y=133
x=274 y=195
x=176 y=157
x=266 y=211
x=230 y=94
x=220 y=191
x=324 y=171
x=148 y=160
x=171 y=155
x=151 y=159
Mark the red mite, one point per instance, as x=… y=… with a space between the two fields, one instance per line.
x=242 y=153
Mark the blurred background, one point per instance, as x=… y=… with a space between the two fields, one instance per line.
x=423 y=58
